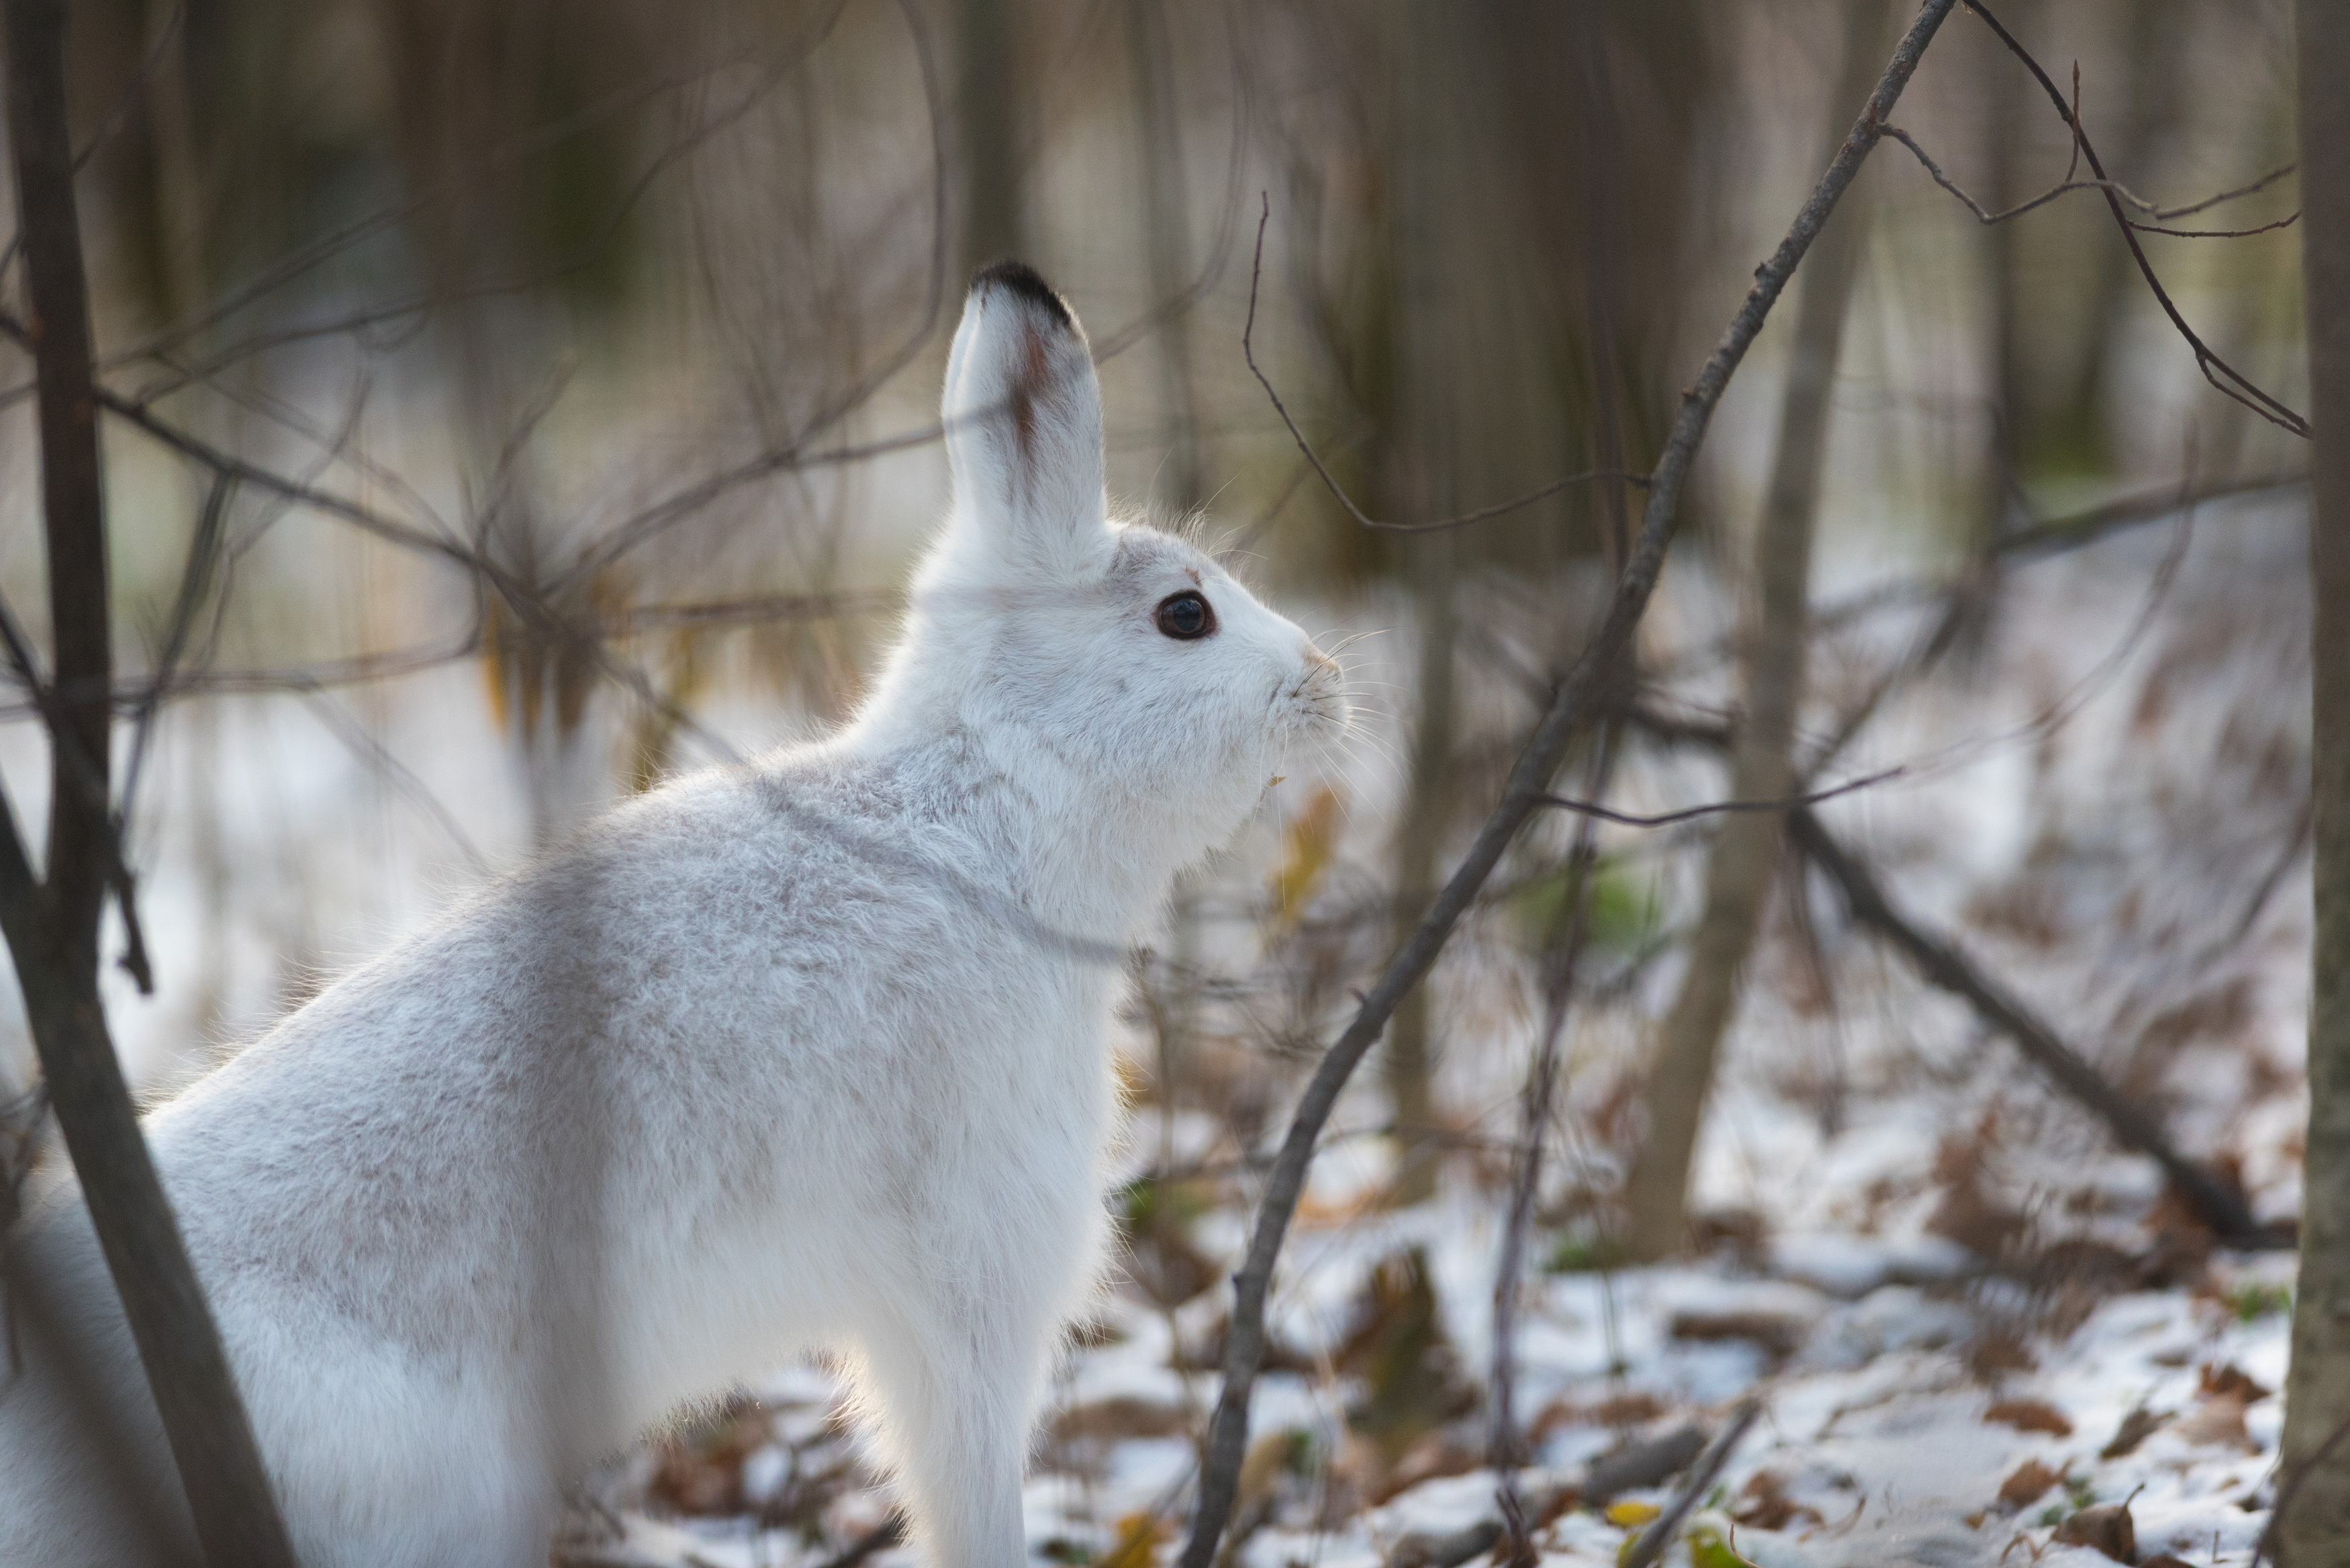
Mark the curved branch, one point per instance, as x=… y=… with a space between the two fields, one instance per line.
x=1330 y=482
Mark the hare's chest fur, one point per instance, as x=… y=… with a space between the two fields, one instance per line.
x=858 y=1076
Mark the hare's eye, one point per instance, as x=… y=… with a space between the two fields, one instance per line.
x=1186 y=616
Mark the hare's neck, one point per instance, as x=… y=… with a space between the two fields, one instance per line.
x=1096 y=867
x=1087 y=856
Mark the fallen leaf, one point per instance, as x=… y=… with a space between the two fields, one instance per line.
x=1632 y=1409
x=2216 y=1421
x=1436 y=1457
x=700 y=1472
x=1165 y=1269
x=1262 y=1465
x=1134 y=1544
x=2027 y=1486
x=2232 y=1379
x=2136 y=1427
x=1423 y=1550
x=1780 y=1333
x=2106 y=1528
x=1708 y=1548
x=1994 y=1352
x=1631 y=1511
x=1121 y=1415
x=1764 y=1504
x=2030 y=1416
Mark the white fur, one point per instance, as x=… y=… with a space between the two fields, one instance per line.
x=805 y=1053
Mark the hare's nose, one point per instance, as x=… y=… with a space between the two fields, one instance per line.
x=1318 y=662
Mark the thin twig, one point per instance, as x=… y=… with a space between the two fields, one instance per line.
x=1660 y=1534
x=195 y=580
x=2284 y=222
x=77 y=771
x=2112 y=188
x=372 y=753
x=1529 y=782
x=2236 y=384
x=1330 y=482
x=1562 y=955
x=1666 y=819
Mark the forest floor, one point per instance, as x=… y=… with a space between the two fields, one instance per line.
x=1918 y=1407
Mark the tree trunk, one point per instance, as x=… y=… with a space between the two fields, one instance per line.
x=2315 y=1528
x=1746 y=851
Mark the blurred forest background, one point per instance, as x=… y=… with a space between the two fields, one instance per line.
x=509 y=405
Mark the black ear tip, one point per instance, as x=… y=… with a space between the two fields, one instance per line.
x=1025 y=281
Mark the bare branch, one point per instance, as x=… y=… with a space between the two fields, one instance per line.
x=1666 y=819
x=74 y=768
x=372 y=752
x=2163 y=214
x=2288 y=221
x=2111 y=188
x=1561 y=956
x=1945 y=968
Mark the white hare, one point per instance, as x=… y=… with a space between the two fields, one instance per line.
x=807 y=1052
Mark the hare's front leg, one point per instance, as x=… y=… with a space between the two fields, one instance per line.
x=954 y=1383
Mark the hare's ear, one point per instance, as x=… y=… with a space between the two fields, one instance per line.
x=1023 y=413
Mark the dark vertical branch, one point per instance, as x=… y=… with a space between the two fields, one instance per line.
x=2317 y=1389
x=1528 y=786
x=52 y=928
x=73 y=532
x=1561 y=956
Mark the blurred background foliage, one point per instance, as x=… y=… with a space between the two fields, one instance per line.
x=617 y=329
x=614 y=296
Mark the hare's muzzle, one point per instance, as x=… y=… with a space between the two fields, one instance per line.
x=1321 y=691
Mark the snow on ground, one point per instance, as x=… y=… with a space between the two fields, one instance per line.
x=1879 y=1443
